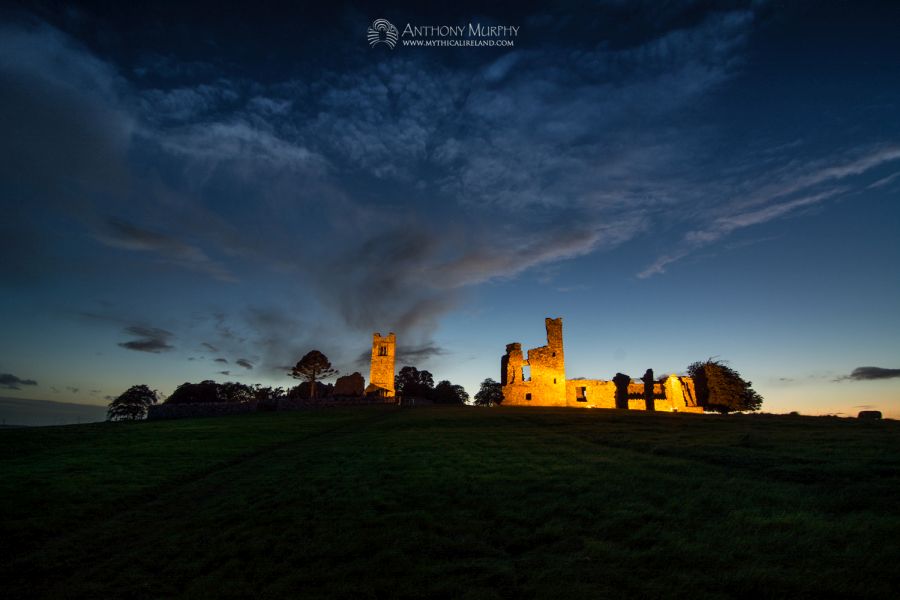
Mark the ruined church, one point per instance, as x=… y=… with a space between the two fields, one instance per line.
x=538 y=378
x=381 y=373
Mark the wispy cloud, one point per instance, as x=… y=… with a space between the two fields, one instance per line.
x=121 y=234
x=800 y=189
x=11 y=382
x=149 y=339
x=870 y=373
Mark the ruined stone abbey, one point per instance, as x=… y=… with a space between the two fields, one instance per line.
x=547 y=384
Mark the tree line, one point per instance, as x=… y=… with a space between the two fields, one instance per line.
x=312 y=369
x=719 y=388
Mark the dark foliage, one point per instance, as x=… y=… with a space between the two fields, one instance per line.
x=490 y=394
x=209 y=391
x=132 y=404
x=313 y=367
x=447 y=393
x=413 y=383
x=233 y=391
x=721 y=389
x=302 y=391
x=196 y=393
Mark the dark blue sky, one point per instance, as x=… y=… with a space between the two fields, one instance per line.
x=198 y=192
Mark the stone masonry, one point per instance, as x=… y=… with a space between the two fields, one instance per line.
x=546 y=384
x=381 y=376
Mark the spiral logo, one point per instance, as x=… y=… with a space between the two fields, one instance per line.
x=382 y=32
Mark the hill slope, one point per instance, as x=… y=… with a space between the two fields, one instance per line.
x=453 y=502
x=20 y=411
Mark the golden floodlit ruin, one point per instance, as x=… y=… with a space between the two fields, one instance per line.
x=538 y=378
x=381 y=374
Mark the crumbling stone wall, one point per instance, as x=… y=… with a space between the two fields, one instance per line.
x=350 y=385
x=381 y=375
x=547 y=385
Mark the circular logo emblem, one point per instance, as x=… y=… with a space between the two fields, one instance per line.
x=382 y=32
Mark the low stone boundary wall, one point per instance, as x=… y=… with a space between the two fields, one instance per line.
x=287 y=404
x=158 y=412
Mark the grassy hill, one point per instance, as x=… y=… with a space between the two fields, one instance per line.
x=453 y=503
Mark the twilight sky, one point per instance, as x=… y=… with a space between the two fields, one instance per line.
x=198 y=192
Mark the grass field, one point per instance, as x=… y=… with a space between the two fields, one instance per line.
x=453 y=503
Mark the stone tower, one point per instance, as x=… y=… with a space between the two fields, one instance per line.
x=381 y=376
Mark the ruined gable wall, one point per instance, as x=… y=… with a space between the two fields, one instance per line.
x=547 y=384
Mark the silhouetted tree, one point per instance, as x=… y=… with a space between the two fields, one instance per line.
x=311 y=368
x=132 y=404
x=721 y=389
x=621 y=380
x=412 y=382
x=233 y=391
x=448 y=393
x=303 y=391
x=490 y=394
x=196 y=393
x=267 y=394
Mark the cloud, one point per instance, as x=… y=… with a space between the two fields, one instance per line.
x=224 y=372
x=396 y=186
x=768 y=200
x=221 y=360
x=150 y=339
x=73 y=389
x=416 y=354
x=870 y=373
x=406 y=354
x=243 y=362
x=121 y=234
x=11 y=382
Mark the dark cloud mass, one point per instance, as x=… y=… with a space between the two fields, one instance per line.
x=870 y=373
x=120 y=234
x=243 y=362
x=406 y=355
x=11 y=382
x=149 y=339
x=517 y=153
x=222 y=360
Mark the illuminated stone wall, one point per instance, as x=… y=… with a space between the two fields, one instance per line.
x=547 y=385
x=590 y=393
x=381 y=375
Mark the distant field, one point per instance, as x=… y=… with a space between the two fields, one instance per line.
x=17 y=412
x=377 y=502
